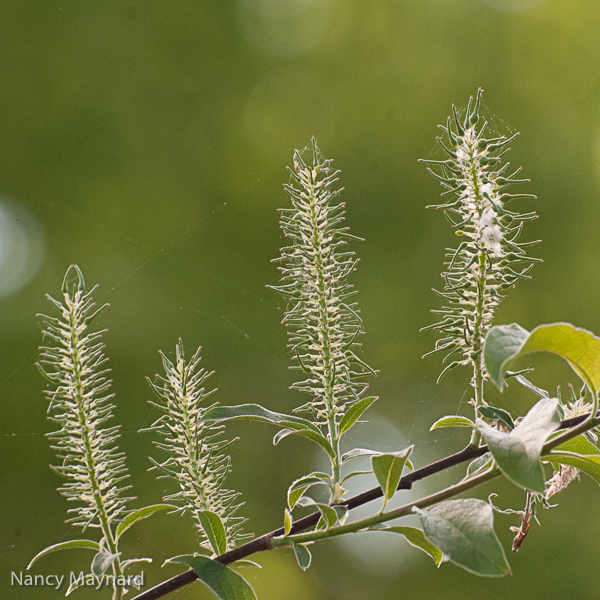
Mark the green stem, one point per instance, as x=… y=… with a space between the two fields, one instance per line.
x=407 y=509
x=89 y=455
x=328 y=376
x=478 y=333
x=402 y=511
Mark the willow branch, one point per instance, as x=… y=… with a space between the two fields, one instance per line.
x=263 y=542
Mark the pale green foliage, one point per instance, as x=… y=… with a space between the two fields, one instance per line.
x=323 y=320
x=490 y=259
x=518 y=452
x=224 y=582
x=194 y=447
x=464 y=531
x=80 y=404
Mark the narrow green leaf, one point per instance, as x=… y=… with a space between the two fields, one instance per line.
x=73 y=544
x=356 y=452
x=415 y=537
x=579 y=347
x=256 y=412
x=101 y=562
x=282 y=433
x=497 y=414
x=287 y=522
x=502 y=343
x=133 y=561
x=589 y=464
x=318 y=438
x=579 y=445
x=388 y=470
x=452 y=421
x=138 y=515
x=518 y=452
x=223 y=581
x=299 y=487
x=328 y=513
x=464 y=531
x=74 y=585
x=354 y=474
x=202 y=551
x=303 y=556
x=342 y=513
x=479 y=464
x=246 y=563
x=214 y=529
x=354 y=413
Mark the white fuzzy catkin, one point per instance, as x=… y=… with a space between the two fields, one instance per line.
x=489 y=259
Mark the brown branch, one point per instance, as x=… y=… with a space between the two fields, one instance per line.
x=263 y=542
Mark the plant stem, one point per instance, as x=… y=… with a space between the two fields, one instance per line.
x=578 y=424
x=459 y=488
x=478 y=327
x=328 y=377
x=407 y=509
x=89 y=455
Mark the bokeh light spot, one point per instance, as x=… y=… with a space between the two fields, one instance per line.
x=21 y=246
x=283 y=28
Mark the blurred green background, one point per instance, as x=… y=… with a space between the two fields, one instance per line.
x=147 y=142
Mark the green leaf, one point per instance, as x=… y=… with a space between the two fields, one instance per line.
x=246 y=563
x=102 y=561
x=354 y=474
x=133 y=561
x=415 y=537
x=83 y=544
x=299 y=487
x=518 y=452
x=452 y=421
x=580 y=445
x=287 y=522
x=502 y=343
x=579 y=347
x=138 y=515
x=223 y=581
x=356 y=452
x=589 y=464
x=328 y=513
x=256 y=412
x=303 y=556
x=479 y=464
x=214 y=529
x=464 y=531
x=388 y=470
x=354 y=413
x=342 y=513
x=497 y=414
x=318 y=438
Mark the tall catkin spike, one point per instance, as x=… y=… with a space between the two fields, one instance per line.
x=322 y=319
x=80 y=404
x=194 y=447
x=490 y=259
